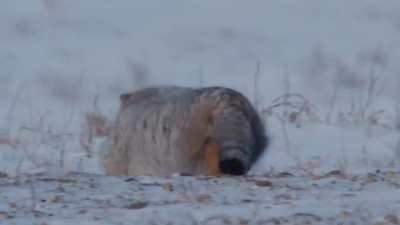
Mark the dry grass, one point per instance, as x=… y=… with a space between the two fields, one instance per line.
x=5 y=139
x=95 y=125
x=256 y=88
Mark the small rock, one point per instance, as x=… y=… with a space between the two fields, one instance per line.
x=131 y=179
x=285 y=174
x=264 y=183
x=137 y=205
x=334 y=173
x=186 y=175
x=247 y=201
x=204 y=198
x=83 y=211
x=308 y=215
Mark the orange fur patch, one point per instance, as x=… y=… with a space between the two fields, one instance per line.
x=212 y=158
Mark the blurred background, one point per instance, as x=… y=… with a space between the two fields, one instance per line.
x=324 y=75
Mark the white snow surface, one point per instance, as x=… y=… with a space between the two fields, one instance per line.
x=58 y=56
x=279 y=198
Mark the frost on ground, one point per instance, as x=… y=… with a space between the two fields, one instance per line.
x=275 y=198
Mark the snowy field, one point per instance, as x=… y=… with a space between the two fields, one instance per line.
x=280 y=198
x=324 y=76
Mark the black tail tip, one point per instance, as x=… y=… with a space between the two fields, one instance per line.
x=232 y=167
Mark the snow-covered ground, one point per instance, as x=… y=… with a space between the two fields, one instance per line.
x=279 y=198
x=63 y=59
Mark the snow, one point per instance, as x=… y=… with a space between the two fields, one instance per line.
x=58 y=56
x=90 y=199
